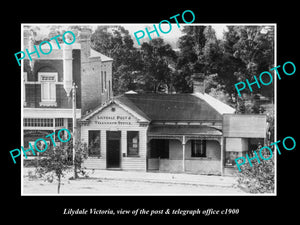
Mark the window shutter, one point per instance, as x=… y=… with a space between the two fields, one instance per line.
x=52 y=91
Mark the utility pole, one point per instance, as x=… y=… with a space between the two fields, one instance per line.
x=74 y=125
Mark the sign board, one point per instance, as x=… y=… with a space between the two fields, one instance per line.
x=113 y=115
x=244 y=126
x=116 y=120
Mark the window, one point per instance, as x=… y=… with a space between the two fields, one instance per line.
x=94 y=143
x=37 y=122
x=48 y=89
x=105 y=80
x=230 y=158
x=70 y=124
x=102 y=82
x=30 y=153
x=24 y=88
x=109 y=89
x=198 y=148
x=159 y=148
x=40 y=145
x=132 y=143
x=59 y=122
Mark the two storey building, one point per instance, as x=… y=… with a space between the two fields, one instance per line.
x=47 y=107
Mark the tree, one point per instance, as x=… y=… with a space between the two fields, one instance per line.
x=157 y=59
x=115 y=42
x=245 y=51
x=254 y=47
x=240 y=107
x=190 y=58
x=54 y=165
x=58 y=161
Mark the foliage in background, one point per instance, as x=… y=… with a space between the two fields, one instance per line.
x=158 y=60
x=244 y=51
x=115 y=42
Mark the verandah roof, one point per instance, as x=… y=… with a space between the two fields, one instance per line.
x=161 y=130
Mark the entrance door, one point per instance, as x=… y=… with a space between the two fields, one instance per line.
x=113 y=153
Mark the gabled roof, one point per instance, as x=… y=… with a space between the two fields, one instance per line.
x=132 y=110
x=221 y=107
x=126 y=102
x=172 y=107
x=169 y=107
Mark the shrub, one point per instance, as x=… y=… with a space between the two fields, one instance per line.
x=53 y=165
x=259 y=178
x=59 y=160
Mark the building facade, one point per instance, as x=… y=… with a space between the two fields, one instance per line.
x=186 y=133
x=190 y=133
x=47 y=106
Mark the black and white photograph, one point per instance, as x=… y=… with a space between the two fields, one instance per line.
x=131 y=112
x=154 y=117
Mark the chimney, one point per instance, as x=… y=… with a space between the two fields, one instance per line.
x=198 y=83
x=84 y=40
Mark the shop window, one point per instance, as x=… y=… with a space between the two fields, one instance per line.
x=94 y=149
x=41 y=146
x=70 y=124
x=132 y=143
x=230 y=157
x=198 y=148
x=255 y=144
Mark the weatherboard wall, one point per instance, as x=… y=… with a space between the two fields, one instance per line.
x=109 y=120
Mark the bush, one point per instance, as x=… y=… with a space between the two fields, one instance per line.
x=259 y=178
x=59 y=160
x=53 y=166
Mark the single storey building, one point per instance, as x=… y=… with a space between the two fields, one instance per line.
x=191 y=133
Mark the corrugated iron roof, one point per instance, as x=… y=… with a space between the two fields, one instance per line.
x=221 y=107
x=172 y=107
x=182 y=130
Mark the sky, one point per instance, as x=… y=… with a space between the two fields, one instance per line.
x=170 y=37
x=173 y=35
x=175 y=30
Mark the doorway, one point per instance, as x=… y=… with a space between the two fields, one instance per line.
x=113 y=149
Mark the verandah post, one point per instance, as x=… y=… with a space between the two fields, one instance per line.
x=183 y=153
x=222 y=155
